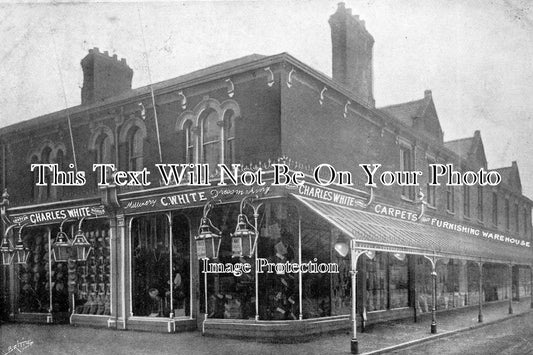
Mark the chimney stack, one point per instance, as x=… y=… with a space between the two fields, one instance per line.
x=352 y=53
x=103 y=76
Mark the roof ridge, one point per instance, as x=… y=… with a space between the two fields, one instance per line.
x=402 y=103
x=458 y=139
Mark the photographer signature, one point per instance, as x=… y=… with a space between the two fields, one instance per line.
x=20 y=346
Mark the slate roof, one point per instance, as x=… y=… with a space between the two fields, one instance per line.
x=461 y=147
x=202 y=73
x=406 y=111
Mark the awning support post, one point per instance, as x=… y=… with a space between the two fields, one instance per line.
x=480 y=306
x=433 y=262
x=355 y=254
x=510 y=288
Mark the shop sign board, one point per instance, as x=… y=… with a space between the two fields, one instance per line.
x=344 y=199
x=58 y=215
x=195 y=198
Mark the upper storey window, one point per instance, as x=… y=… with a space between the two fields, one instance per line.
x=229 y=130
x=47 y=153
x=209 y=133
x=135 y=149
x=211 y=143
x=104 y=152
x=131 y=139
x=189 y=143
x=406 y=164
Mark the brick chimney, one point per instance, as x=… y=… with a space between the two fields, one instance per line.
x=352 y=53
x=103 y=76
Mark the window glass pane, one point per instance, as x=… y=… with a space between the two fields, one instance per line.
x=211 y=141
x=317 y=246
x=398 y=282
x=34 y=276
x=181 y=266
x=423 y=285
x=93 y=292
x=104 y=152
x=189 y=143
x=210 y=129
x=376 y=282
x=150 y=266
x=278 y=292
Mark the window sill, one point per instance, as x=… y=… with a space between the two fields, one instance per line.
x=407 y=199
x=431 y=207
x=452 y=213
x=467 y=218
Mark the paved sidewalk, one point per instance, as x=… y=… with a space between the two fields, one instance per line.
x=66 y=339
x=397 y=332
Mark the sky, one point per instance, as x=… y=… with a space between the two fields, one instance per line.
x=475 y=55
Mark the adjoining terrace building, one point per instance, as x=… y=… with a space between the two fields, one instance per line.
x=143 y=271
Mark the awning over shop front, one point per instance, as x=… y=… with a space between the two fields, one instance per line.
x=373 y=231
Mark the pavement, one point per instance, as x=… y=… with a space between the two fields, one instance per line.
x=379 y=338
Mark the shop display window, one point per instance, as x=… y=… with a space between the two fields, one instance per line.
x=524 y=282
x=181 y=266
x=278 y=292
x=423 y=285
x=92 y=277
x=496 y=282
x=341 y=285
x=317 y=246
x=34 y=276
x=229 y=296
x=377 y=279
x=398 y=281
x=473 y=283
x=151 y=279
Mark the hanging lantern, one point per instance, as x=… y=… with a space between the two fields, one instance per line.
x=61 y=247
x=6 y=249
x=243 y=241
x=21 y=253
x=399 y=256
x=207 y=242
x=82 y=248
x=341 y=245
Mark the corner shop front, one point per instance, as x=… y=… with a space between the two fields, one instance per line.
x=144 y=245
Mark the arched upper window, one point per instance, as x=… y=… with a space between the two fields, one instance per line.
x=45 y=159
x=135 y=149
x=210 y=137
x=104 y=152
x=35 y=179
x=229 y=132
x=189 y=142
x=47 y=153
x=131 y=138
x=209 y=132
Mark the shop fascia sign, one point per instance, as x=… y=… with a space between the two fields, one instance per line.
x=58 y=215
x=439 y=223
x=327 y=194
x=345 y=199
x=195 y=198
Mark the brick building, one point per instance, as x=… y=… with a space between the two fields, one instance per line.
x=144 y=272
